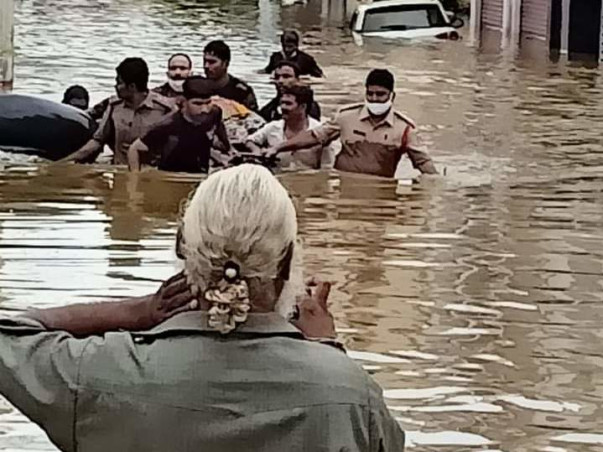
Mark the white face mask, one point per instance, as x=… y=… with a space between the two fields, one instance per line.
x=378 y=109
x=176 y=85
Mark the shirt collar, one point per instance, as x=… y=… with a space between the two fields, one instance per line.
x=148 y=101
x=389 y=118
x=269 y=324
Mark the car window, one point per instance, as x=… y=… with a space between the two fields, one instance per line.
x=403 y=17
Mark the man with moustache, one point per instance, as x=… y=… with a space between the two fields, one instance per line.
x=295 y=104
x=180 y=66
x=286 y=73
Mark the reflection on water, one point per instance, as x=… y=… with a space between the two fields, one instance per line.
x=474 y=300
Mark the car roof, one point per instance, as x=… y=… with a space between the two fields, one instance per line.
x=386 y=3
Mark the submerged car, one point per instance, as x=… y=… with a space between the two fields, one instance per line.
x=408 y=19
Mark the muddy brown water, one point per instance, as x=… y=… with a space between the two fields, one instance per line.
x=475 y=300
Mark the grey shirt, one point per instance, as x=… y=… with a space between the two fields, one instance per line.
x=183 y=387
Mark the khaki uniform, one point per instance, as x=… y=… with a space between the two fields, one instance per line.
x=373 y=149
x=184 y=387
x=122 y=125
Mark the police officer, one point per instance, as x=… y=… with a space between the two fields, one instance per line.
x=128 y=116
x=216 y=59
x=374 y=136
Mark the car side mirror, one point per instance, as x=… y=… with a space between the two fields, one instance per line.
x=450 y=15
x=457 y=22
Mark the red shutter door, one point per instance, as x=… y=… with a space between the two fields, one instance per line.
x=492 y=14
x=535 y=16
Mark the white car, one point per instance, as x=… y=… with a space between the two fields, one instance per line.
x=410 y=19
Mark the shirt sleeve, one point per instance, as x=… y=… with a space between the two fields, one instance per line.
x=99 y=109
x=419 y=158
x=260 y=136
x=39 y=375
x=386 y=435
x=271 y=64
x=315 y=70
x=329 y=154
x=328 y=132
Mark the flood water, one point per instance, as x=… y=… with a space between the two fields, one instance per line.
x=475 y=299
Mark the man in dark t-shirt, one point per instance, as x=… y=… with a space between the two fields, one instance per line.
x=216 y=59
x=290 y=44
x=183 y=141
x=286 y=74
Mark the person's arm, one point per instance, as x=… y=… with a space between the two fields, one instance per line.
x=385 y=434
x=257 y=142
x=91 y=150
x=315 y=70
x=323 y=135
x=86 y=154
x=134 y=154
x=271 y=65
x=39 y=376
x=132 y=314
x=98 y=111
x=327 y=157
x=419 y=158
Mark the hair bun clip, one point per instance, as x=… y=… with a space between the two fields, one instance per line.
x=231 y=272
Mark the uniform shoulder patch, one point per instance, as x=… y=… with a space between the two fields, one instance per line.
x=405 y=118
x=114 y=100
x=163 y=102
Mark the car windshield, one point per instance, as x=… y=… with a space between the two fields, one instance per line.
x=403 y=17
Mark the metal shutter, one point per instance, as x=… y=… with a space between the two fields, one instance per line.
x=492 y=14
x=535 y=15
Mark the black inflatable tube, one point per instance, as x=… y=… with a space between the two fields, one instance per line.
x=42 y=127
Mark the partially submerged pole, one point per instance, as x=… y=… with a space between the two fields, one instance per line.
x=7 y=16
x=475 y=20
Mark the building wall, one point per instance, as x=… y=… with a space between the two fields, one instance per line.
x=535 y=15
x=540 y=26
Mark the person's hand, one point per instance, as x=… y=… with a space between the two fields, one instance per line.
x=270 y=152
x=314 y=319
x=173 y=297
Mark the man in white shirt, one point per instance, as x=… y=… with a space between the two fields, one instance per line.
x=296 y=101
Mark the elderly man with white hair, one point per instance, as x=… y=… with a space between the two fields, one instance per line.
x=212 y=361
